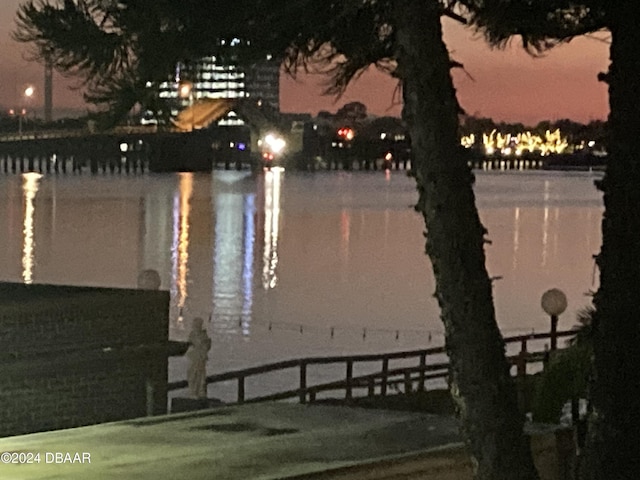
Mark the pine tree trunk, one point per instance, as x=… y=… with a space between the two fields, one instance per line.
x=614 y=433
x=480 y=383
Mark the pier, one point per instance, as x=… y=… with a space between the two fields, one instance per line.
x=126 y=150
x=136 y=150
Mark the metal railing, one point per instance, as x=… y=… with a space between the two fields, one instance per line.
x=413 y=378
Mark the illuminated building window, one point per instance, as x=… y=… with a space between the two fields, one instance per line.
x=216 y=79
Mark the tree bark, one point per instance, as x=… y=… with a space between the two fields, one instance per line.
x=613 y=443
x=480 y=383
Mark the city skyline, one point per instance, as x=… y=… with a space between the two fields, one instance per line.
x=506 y=85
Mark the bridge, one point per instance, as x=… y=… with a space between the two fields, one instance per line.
x=124 y=150
x=190 y=144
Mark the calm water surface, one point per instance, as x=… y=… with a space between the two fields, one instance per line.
x=288 y=264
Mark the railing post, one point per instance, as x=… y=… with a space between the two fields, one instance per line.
x=423 y=366
x=303 y=381
x=521 y=372
x=150 y=390
x=547 y=356
x=371 y=387
x=385 y=372
x=521 y=361
x=241 y=389
x=349 y=380
x=408 y=385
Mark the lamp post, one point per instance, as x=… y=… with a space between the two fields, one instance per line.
x=20 y=113
x=26 y=94
x=554 y=302
x=185 y=91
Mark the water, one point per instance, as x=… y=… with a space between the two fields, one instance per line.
x=289 y=264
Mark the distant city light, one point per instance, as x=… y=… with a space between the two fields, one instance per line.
x=184 y=89
x=508 y=144
x=346 y=133
x=468 y=141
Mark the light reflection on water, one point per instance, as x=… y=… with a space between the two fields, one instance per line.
x=234 y=240
x=30 y=189
x=272 y=183
x=180 y=247
x=324 y=263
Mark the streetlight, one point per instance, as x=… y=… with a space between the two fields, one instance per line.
x=26 y=94
x=29 y=91
x=554 y=302
x=272 y=145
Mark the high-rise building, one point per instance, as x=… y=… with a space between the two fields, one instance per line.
x=222 y=77
x=263 y=82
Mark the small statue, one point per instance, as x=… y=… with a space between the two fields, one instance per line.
x=199 y=346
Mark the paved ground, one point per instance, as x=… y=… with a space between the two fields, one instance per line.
x=259 y=441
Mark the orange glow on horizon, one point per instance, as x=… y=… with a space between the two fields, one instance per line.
x=505 y=85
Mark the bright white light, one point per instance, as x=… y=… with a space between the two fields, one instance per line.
x=275 y=144
x=124 y=147
x=591 y=143
x=185 y=89
x=29 y=91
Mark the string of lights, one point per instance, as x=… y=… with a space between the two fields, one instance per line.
x=242 y=321
x=365 y=332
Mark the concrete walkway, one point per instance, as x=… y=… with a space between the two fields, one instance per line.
x=257 y=441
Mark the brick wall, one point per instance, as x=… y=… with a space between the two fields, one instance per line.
x=73 y=356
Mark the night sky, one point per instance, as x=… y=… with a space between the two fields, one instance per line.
x=505 y=85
